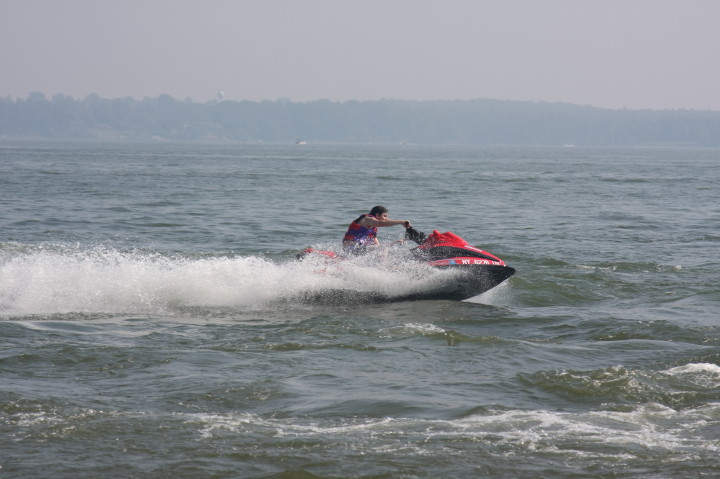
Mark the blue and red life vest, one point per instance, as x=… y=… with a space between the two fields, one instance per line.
x=358 y=235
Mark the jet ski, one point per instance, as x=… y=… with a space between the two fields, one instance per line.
x=477 y=271
x=462 y=271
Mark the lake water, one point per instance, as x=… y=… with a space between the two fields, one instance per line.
x=148 y=326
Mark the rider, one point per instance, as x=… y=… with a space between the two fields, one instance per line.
x=363 y=231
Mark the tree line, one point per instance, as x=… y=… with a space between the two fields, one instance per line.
x=471 y=122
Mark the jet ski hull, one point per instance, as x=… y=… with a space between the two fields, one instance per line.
x=456 y=282
x=469 y=281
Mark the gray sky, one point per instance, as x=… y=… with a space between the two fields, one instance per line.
x=609 y=53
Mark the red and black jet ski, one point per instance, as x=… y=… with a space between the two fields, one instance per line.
x=477 y=270
x=467 y=271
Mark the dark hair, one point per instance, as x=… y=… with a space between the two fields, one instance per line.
x=375 y=211
x=378 y=210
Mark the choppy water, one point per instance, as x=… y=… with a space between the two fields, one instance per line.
x=148 y=326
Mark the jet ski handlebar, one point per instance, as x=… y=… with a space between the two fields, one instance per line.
x=414 y=235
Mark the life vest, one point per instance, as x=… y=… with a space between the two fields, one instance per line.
x=358 y=235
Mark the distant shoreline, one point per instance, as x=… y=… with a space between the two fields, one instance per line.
x=452 y=122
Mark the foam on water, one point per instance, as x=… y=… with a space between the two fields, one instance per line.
x=108 y=280
x=65 y=279
x=621 y=434
x=412 y=329
x=704 y=375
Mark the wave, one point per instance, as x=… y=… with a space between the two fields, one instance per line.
x=620 y=388
x=643 y=434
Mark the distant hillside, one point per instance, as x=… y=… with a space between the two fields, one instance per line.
x=472 y=122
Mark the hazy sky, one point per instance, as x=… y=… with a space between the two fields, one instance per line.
x=609 y=53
